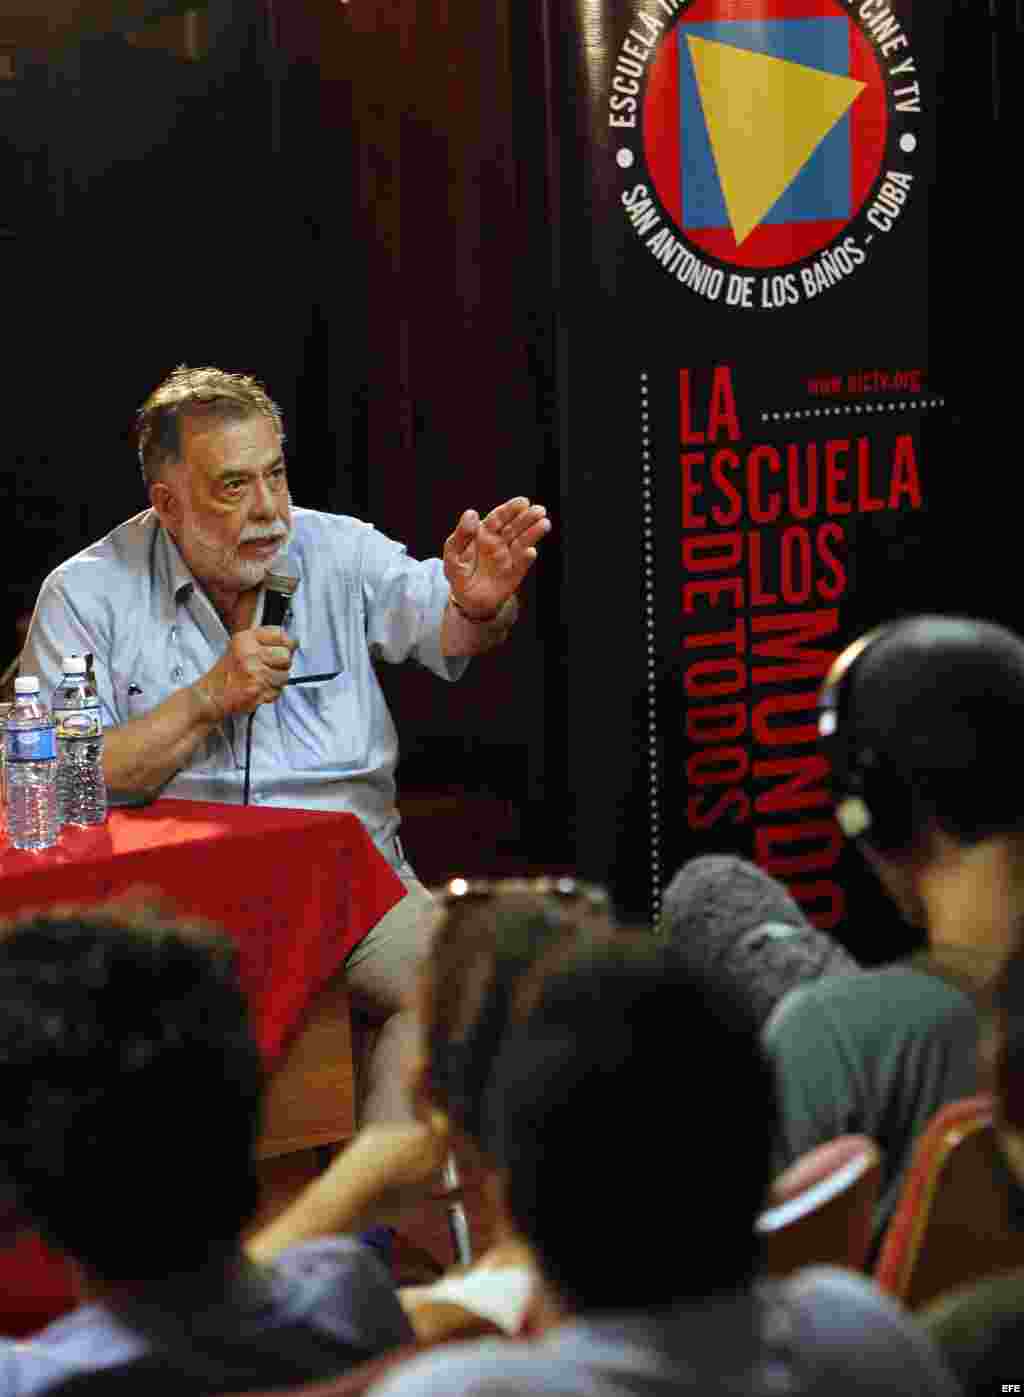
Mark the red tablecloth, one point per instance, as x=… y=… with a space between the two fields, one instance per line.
x=295 y=889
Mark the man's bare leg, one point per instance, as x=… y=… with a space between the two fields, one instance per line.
x=382 y=974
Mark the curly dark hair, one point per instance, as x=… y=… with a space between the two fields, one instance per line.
x=209 y=391
x=132 y=1087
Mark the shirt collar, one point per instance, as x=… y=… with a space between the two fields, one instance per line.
x=173 y=568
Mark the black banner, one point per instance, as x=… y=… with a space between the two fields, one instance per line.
x=753 y=414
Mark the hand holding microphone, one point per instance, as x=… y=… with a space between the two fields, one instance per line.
x=252 y=671
x=254 y=668
x=280 y=588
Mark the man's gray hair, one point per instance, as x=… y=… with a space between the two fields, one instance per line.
x=207 y=391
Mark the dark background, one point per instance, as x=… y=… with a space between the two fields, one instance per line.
x=342 y=201
x=381 y=211
x=948 y=297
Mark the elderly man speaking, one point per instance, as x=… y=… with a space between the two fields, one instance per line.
x=171 y=604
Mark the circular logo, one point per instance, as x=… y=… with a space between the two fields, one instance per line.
x=754 y=141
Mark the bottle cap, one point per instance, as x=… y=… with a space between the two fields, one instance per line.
x=74 y=664
x=26 y=684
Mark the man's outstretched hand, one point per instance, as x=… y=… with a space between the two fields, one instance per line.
x=485 y=560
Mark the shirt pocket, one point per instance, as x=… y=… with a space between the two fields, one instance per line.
x=324 y=725
x=137 y=688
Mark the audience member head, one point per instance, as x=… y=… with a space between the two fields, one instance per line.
x=208 y=393
x=492 y=938
x=604 y=1167
x=921 y=720
x=722 y=913
x=131 y=1086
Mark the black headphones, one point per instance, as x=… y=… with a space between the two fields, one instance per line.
x=956 y=694
x=872 y=798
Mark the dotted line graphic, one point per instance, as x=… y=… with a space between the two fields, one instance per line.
x=652 y=696
x=845 y=409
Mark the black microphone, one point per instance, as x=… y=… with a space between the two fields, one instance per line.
x=280 y=587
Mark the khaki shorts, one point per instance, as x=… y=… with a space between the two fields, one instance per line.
x=382 y=971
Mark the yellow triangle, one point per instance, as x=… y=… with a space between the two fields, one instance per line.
x=766 y=117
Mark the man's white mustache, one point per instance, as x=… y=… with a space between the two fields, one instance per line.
x=263 y=537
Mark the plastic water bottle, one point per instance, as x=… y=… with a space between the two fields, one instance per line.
x=81 y=789
x=31 y=751
x=5 y=711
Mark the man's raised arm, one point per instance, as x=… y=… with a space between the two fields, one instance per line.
x=485 y=561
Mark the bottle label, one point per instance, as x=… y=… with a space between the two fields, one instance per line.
x=31 y=745
x=77 y=722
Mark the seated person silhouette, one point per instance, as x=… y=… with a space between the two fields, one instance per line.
x=493 y=941
x=132 y=1087
x=641 y=1224
x=921 y=721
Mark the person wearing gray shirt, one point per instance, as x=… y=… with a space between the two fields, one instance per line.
x=921 y=723
x=874 y=1054
x=171 y=604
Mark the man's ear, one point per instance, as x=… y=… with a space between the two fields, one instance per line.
x=164 y=499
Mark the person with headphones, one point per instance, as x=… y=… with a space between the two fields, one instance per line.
x=922 y=722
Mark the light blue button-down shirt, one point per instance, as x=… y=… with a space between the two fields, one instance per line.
x=132 y=602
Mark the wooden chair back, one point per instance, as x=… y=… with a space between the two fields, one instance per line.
x=821 y=1209
x=954 y=1220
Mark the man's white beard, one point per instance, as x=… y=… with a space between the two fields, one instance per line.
x=221 y=565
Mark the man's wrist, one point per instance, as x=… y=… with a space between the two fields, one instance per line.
x=475 y=620
x=210 y=709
